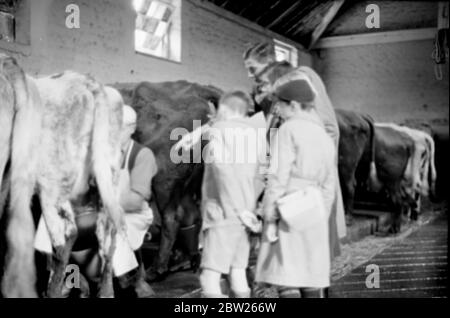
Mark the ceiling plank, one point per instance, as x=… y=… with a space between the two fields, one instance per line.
x=297 y=16
x=268 y=10
x=327 y=19
x=304 y=23
x=285 y=13
x=376 y=38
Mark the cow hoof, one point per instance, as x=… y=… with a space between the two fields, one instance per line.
x=349 y=219
x=143 y=289
x=153 y=276
x=382 y=233
x=179 y=262
x=195 y=262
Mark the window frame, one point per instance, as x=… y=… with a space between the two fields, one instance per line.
x=22 y=30
x=9 y=10
x=171 y=36
x=293 y=52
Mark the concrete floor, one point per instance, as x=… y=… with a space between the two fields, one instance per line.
x=416 y=267
x=411 y=264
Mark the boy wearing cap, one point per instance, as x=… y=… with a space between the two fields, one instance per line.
x=297 y=262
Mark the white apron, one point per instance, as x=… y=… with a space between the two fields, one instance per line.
x=137 y=225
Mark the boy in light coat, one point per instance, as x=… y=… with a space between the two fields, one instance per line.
x=229 y=194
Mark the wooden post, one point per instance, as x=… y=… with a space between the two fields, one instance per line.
x=329 y=16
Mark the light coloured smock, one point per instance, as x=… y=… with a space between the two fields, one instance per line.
x=327 y=114
x=303 y=153
x=233 y=181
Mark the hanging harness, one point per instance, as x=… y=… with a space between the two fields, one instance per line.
x=440 y=52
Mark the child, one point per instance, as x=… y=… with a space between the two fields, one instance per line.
x=229 y=197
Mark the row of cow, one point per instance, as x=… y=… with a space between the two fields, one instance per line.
x=59 y=133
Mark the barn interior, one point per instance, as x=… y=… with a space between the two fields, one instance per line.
x=395 y=71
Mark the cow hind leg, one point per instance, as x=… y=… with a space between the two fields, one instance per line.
x=348 y=197
x=20 y=275
x=106 y=235
x=63 y=233
x=415 y=210
x=170 y=226
x=190 y=230
x=6 y=123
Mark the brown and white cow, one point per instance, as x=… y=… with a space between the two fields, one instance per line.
x=393 y=152
x=78 y=127
x=420 y=173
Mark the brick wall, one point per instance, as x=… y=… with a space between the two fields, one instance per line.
x=390 y=81
x=212 y=44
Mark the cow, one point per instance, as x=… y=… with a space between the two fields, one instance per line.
x=161 y=108
x=420 y=173
x=20 y=113
x=393 y=152
x=356 y=152
x=78 y=126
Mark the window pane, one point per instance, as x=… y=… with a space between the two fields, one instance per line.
x=155 y=33
x=7 y=24
x=286 y=52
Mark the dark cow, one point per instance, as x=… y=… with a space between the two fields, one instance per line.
x=161 y=108
x=356 y=155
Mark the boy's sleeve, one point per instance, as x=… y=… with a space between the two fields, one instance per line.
x=145 y=168
x=282 y=161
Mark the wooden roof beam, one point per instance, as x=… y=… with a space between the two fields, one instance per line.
x=376 y=38
x=327 y=19
x=285 y=13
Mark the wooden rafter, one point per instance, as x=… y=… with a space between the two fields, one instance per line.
x=376 y=38
x=285 y=13
x=327 y=19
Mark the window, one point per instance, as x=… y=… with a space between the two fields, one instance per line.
x=7 y=20
x=286 y=52
x=158 y=28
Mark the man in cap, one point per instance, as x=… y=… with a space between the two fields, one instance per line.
x=260 y=61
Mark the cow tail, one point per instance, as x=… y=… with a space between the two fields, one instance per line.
x=374 y=182
x=106 y=153
x=20 y=274
x=432 y=175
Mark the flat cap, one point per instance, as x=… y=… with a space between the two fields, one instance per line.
x=295 y=86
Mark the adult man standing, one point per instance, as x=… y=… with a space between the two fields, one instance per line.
x=258 y=60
